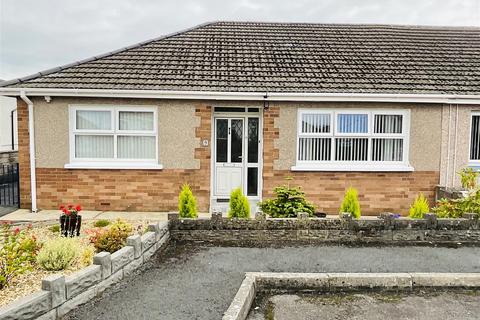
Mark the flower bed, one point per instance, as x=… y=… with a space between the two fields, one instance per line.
x=26 y=271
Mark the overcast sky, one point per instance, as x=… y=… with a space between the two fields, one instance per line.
x=41 y=34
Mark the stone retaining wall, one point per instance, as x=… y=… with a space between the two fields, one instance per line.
x=385 y=229
x=60 y=294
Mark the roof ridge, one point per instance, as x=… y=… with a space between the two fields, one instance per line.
x=388 y=25
x=100 y=56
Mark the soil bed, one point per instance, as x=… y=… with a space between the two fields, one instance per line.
x=199 y=281
x=419 y=305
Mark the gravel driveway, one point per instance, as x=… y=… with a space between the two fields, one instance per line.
x=199 y=282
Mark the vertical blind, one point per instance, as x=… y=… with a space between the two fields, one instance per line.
x=317 y=141
x=133 y=135
x=475 y=138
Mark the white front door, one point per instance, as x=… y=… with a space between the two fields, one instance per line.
x=229 y=146
x=236 y=156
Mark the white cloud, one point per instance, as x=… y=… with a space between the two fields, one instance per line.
x=36 y=35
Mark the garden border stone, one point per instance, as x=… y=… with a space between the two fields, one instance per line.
x=85 y=284
x=256 y=282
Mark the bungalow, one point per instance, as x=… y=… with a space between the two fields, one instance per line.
x=391 y=110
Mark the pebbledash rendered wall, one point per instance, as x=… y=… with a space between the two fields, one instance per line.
x=183 y=125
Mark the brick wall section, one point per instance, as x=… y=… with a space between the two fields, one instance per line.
x=122 y=190
x=378 y=191
x=23 y=154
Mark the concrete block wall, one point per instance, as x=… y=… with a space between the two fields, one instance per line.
x=60 y=295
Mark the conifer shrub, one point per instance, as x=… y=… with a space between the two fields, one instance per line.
x=419 y=207
x=288 y=202
x=187 y=204
x=239 y=206
x=350 y=203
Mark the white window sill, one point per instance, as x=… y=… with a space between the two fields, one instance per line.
x=123 y=166
x=353 y=168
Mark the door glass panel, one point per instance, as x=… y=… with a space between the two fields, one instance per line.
x=222 y=140
x=236 y=136
x=252 y=181
x=253 y=140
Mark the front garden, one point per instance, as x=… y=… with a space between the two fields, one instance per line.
x=29 y=253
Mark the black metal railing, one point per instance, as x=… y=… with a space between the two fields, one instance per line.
x=9 y=186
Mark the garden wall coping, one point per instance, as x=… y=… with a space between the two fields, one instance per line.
x=148 y=239
x=62 y=294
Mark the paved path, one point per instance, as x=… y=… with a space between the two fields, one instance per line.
x=199 y=282
x=21 y=215
x=6 y=210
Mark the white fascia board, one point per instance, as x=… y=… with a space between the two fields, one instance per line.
x=253 y=96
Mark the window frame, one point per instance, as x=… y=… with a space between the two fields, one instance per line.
x=115 y=162
x=369 y=165
x=472 y=162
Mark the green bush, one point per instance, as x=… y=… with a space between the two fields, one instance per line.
x=455 y=208
x=113 y=238
x=55 y=228
x=239 y=206
x=288 y=202
x=101 y=223
x=419 y=207
x=17 y=253
x=468 y=178
x=187 y=204
x=58 y=254
x=350 y=203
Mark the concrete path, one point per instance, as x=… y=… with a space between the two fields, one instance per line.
x=199 y=282
x=21 y=215
x=6 y=210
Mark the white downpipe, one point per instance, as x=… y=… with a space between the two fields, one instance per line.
x=31 y=136
x=448 y=144
x=455 y=149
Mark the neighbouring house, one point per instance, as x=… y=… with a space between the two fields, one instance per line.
x=8 y=130
x=391 y=110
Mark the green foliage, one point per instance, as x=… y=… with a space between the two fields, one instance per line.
x=17 y=253
x=55 y=228
x=468 y=178
x=288 y=202
x=58 y=254
x=239 y=206
x=350 y=203
x=187 y=204
x=419 y=207
x=101 y=223
x=455 y=208
x=114 y=237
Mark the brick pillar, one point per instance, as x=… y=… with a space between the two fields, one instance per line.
x=23 y=154
x=203 y=154
x=270 y=152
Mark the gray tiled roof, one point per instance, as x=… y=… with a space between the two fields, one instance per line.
x=285 y=57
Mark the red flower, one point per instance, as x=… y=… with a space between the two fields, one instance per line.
x=62 y=207
x=67 y=212
x=17 y=230
x=78 y=208
x=70 y=206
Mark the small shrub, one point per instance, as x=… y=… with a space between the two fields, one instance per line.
x=419 y=207
x=350 y=203
x=17 y=253
x=58 y=254
x=187 y=204
x=114 y=237
x=455 y=208
x=469 y=178
x=288 y=202
x=239 y=206
x=55 y=228
x=101 y=223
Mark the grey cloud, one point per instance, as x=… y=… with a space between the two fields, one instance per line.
x=36 y=35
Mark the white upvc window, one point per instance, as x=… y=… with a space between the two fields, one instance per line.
x=113 y=137
x=474 y=158
x=353 y=140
